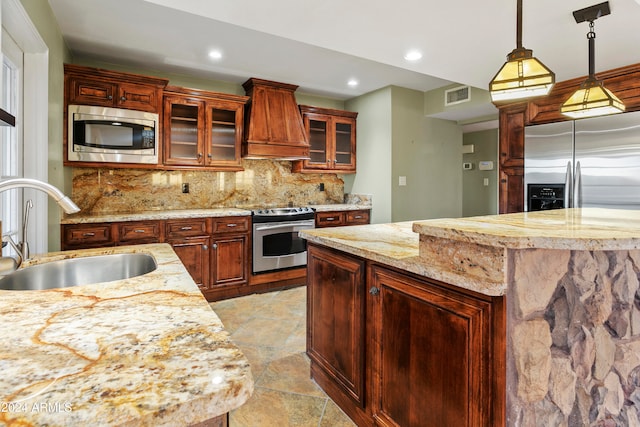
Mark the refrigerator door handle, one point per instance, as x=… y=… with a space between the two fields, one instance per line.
x=577 y=187
x=568 y=187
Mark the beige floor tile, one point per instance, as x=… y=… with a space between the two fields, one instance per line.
x=264 y=332
x=271 y=408
x=334 y=417
x=270 y=329
x=290 y=374
x=259 y=358
x=298 y=338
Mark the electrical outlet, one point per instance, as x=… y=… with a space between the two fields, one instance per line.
x=185 y=187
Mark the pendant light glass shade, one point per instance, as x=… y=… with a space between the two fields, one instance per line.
x=522 y=76
x=592 y=99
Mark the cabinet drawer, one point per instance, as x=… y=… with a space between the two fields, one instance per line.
x=92 y=92
x=138 y=97
x=88 y=235
x=186 y=228
x=140 y=231
x=357 y=217
x=235 y=224
x=330 y=219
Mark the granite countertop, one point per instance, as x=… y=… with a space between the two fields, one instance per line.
x=447 y=249
x=340 y=207
x=80 y=218
x=146 y=351
x=573 y=229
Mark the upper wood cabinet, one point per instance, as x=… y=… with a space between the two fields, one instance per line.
x=94 y=86
x=332 y=139
x=202 y=129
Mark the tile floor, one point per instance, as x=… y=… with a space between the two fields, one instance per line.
x=271 y=331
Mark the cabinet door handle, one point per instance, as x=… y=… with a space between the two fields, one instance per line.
x=210 y=156
x=88 y=234
x=215 y=246
x=205 y=247
x=357 y=217
x=122 y=98
x=199 y=155
x=331 y=218
x=110 y=97
x=232 y=225
x=374 y=290
x=139 y=231
x=186 y=228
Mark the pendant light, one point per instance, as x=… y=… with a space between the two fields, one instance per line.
x=592 y=98
x=522 y=76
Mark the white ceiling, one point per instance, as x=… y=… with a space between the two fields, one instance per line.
x=320 y=45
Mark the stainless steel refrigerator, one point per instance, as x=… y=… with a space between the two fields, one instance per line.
x=591 y=162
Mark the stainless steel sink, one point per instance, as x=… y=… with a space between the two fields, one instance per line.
x=79 y=271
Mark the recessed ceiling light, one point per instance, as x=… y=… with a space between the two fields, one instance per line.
x=413 y=55
x=215 y=54
x=352 y=82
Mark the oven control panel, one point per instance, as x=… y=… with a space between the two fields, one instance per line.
x=282 y=214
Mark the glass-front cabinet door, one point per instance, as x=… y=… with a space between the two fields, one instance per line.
x=202 y=129
x=182 y=132
x=318 y=143
x=344 y=144
x=332 y=140
x=224 y=126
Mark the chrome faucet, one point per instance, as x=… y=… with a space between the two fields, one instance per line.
x=8 y=264
x=57 y=195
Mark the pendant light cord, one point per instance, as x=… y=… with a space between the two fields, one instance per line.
x=591 y=36
x=519 y=24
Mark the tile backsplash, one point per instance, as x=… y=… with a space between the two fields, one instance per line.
x=263 y=183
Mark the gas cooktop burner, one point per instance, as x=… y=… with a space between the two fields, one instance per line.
x=280 y=214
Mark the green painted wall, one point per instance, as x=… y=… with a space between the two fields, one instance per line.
x=427 y=152
x=373 y=155
x=480 y=199
x=44 y=20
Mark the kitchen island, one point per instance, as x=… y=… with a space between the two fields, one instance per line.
x=520 y=319
x=145 y=351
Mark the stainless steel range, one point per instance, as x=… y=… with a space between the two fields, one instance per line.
x=276 y=243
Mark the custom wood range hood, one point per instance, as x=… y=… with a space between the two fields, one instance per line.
x=273 y=123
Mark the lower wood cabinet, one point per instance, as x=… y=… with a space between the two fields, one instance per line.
x=215 y=251
x=342 y=218
x=395 y=349
x=194 y=254
x=336 y=324
x=85 y=236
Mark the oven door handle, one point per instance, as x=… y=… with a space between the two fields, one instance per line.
x=295 y=224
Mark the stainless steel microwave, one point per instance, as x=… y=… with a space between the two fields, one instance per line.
x=112 y=135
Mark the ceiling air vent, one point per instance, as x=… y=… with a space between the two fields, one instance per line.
x=457 y=95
